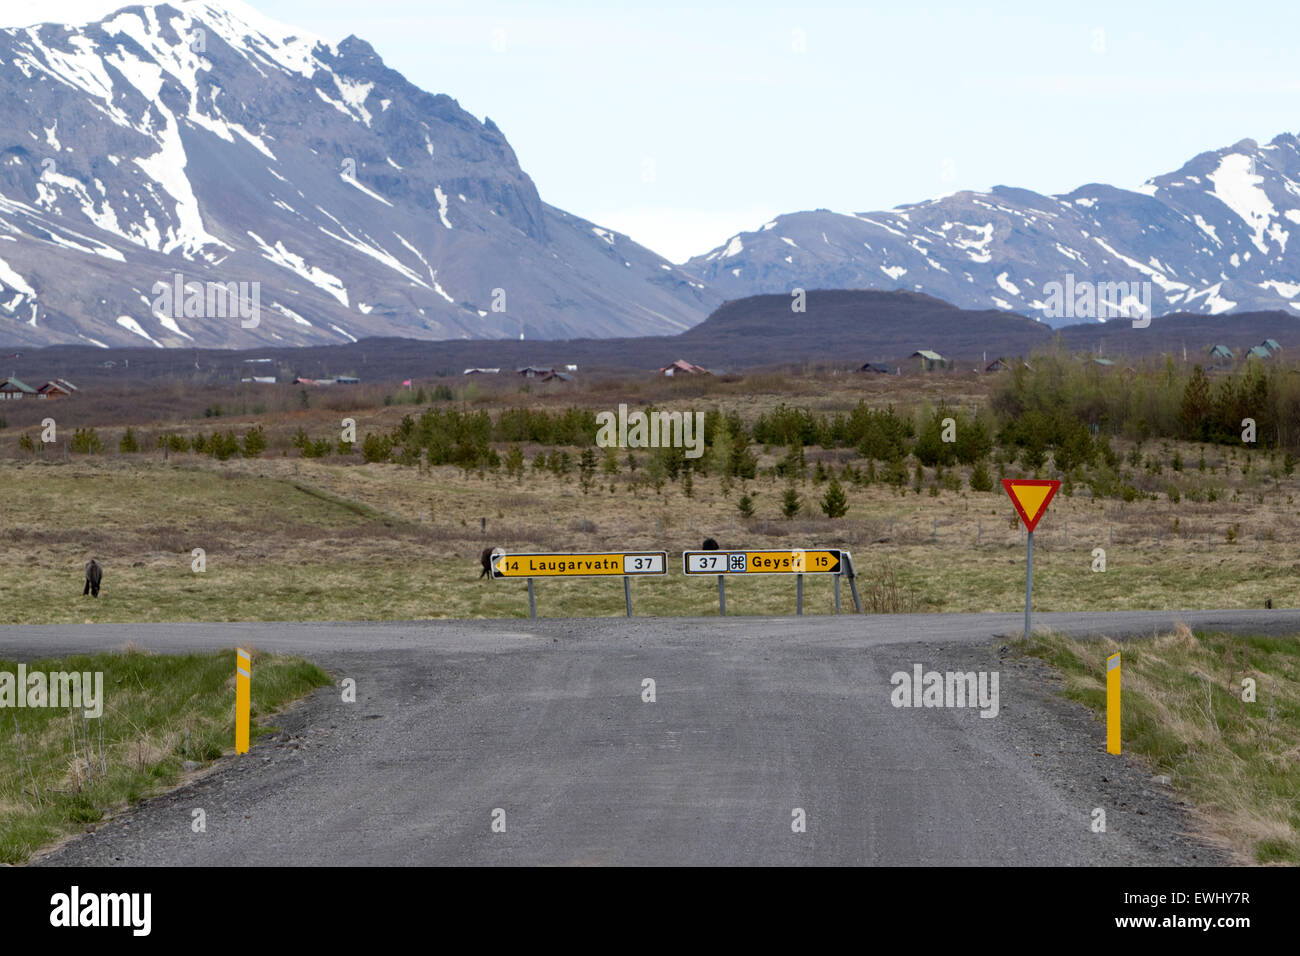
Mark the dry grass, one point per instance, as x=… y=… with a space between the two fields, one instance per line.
x=306 y=539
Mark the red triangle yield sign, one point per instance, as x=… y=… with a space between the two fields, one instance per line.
x=1031 y=497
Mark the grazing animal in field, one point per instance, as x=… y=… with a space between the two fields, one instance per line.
x=94 y=574
x=1268 y=603
x=486 y=560
x=709 y=545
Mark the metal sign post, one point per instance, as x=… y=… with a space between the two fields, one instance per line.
x=1029 y=581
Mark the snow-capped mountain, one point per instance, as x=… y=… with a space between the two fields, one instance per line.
x=1221 y=234
x=199 y=139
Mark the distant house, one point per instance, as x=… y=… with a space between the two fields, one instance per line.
x=481 y=371
x=877 y=368
x=54 y=390
x=1221 y=353
x=11 y=390
x=929 y=360
x=300 y=380
x=1271 y=345
x=1259 y=352
x=997 y=365
x=544 y=374
x=260 y=379
x=347 y=380
x=1104 y=362
x=683 y=367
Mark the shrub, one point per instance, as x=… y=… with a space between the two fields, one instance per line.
x=376 y=448
x=254 y=442
x=224 y=445
x=834 y=503
x=790 y=503
x=86 y=442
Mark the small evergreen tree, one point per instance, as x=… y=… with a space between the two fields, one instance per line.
x=587 y=470
x=515 y=462
x=254 y=442
x=609 y=462
x=834 y=502
x=980 y=479
x=790 y=502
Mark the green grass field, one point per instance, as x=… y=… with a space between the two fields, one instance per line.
x=1184 y=713
x=61 y=771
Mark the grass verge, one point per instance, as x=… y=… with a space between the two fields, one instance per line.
x=61 y=771
x=1184 y=712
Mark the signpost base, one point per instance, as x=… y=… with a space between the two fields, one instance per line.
x=798 y=594
x=627 y=594
x=532 y=600
x=722 y=595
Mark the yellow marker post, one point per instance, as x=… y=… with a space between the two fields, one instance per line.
x=1112 y=704
x=243 y=689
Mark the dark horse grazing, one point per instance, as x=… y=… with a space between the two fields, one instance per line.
x=486 y=560
x=94 y=574
x=709 y=545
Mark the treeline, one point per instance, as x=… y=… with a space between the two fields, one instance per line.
x=1166 y=400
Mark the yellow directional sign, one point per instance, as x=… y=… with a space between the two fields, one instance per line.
x=579 y=565
x=819 y=561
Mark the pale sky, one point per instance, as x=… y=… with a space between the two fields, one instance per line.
x=681 y=124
